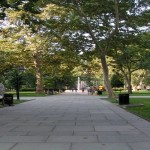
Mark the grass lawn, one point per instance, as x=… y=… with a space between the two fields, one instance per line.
x=32 y=94
x=14 y=102
x=19 y=101
x=141 y=93
x=23 y=94
x=136 y=93
x=144 y=111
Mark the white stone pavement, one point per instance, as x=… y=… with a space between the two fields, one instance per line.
x=71 y=121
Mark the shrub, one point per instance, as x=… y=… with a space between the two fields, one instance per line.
x=28 y=89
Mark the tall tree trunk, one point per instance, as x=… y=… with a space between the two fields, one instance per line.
x=39 y=81
x=98 y=46
x=128 y=80
x=106 y=77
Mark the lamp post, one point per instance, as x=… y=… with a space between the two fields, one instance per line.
x=18 y=81
x=17 y=85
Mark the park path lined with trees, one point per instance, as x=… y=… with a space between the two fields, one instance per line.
x=55 y=40
x=71 y=121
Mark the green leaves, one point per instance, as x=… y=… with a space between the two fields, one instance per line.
x=117 y=80
x=32 y=7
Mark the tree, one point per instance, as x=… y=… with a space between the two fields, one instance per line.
x=104 y=22
x=147 y=78
x=15 y=80
x=131 y=54
x=89 y=70
x=34 y=35
x=117 y=81
x=29 y=80
x=90 y=25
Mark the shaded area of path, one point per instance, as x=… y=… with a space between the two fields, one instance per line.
x=71 y=121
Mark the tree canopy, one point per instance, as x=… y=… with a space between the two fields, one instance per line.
x=52 y=36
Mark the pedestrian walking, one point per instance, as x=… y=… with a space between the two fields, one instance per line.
x=89 y=90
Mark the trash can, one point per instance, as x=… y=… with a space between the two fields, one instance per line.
x=8 y=99
x=99 y=92
x=124 y=99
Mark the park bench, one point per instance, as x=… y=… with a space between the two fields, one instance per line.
x=49 y=91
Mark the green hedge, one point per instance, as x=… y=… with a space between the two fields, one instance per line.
x=28 y=89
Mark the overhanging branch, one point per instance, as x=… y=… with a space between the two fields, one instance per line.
x=82 y=14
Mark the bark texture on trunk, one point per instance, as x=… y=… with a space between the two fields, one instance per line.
x=128 y=81
x=106 y=77
x=39 y=81
x=100 y=48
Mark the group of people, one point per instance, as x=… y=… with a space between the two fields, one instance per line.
x=91 y=90
x=74 y=89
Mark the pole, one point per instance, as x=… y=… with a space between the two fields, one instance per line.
x=17 y=88
x=78 y=83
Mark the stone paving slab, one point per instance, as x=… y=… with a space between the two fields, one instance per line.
x=7 y=128
x=123 y=138
x=92 y=123
x=74 y=128
x=100 y=146
x=115 y=128
x=72 y=139
x=71 y=121
x=22 y=139
x=33 y=128
x=133 y=132
x=6 y=146
x=44 y=133
x=140 y=146
x=114 y=133
x=33 y=123
x=11 y=133
x=66 y=123
x=146 y=131
x=42 y=146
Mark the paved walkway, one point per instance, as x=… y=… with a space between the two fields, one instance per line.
x=71 y=121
